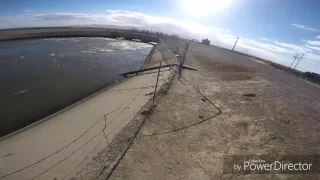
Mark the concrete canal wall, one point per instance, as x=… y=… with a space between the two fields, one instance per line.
x=54 y=147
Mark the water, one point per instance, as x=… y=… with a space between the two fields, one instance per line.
x=40 y=77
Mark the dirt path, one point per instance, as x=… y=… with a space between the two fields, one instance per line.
x=186 y=137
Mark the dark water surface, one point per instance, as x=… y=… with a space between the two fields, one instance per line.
x=41 y=77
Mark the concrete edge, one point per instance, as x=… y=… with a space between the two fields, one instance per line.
x=63 y=110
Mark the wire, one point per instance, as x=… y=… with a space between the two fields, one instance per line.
x=194 y=124
x=202 y=94
x=118 y=125
x=50 y=154
x=6 y=155
x=65 y=146
x=106 y=136
x=127 y=148
x=129 y=144
x=83 y=159
x=106 y=125
x=121 y=123
x=191 y=125
x=182 y=128
x=123 y=109
x=66 y=157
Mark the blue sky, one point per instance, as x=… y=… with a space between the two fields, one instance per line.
x=272 y=29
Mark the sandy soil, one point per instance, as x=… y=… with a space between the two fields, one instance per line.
x=186 y=137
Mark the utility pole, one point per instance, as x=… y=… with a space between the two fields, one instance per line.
x=294 y=59
x=298 y=61
x=235 y=43
x=285 y=63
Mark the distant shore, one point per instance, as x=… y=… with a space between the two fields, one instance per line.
x=55 y=32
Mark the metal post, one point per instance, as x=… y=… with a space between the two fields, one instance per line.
x=155 y=89
x=182 y=60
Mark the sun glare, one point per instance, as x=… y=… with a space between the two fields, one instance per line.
x=202 y=8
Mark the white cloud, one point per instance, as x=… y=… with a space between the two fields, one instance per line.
x=314 y=58
x=264 y=46
x=293 y=47
x=313 y=48
x=318 y=37
x=304 y=27
x=314 y=43
x=265 y=39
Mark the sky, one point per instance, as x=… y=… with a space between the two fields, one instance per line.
x=272 y=29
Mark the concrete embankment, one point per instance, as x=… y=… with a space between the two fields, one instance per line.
x=30 y=33
x=61 y=145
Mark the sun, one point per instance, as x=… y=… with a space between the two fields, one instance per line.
x=202 y=8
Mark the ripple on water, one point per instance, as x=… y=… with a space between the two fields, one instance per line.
x=128 y=45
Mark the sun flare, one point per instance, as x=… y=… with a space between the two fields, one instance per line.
x=202 y=8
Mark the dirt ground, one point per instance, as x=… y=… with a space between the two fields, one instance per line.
x=230 y=106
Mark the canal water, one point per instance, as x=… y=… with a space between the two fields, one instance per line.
x=42 y=76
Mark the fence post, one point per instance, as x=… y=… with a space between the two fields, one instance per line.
x=155 y=89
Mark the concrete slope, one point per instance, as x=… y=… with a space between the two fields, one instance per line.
x=76 y=125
